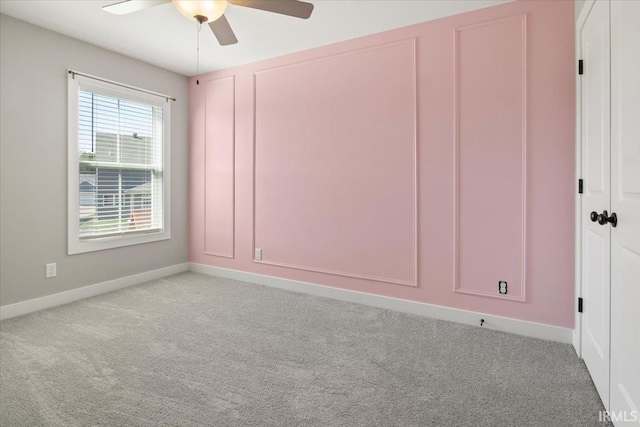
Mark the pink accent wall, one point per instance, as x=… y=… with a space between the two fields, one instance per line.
x=425 y=163
x=490 y=138
x=335 y=164
x=219 y=129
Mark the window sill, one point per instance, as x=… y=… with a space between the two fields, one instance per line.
x=78 y=246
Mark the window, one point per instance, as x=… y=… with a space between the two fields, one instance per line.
x=118 y=165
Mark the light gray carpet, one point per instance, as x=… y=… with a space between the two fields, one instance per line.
x=194 y=350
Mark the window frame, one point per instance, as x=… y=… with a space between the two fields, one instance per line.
x=75 y=245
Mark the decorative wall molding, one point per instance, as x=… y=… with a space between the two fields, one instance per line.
x=379 y=46
x=230 y=255
x=338 y=273
x=49 y=301
x=498 y=323
x=456 y=237
x=414 y=281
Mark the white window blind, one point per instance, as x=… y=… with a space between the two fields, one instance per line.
x=120 y=164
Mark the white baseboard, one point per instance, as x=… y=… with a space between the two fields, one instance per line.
x=25 y=307
x=577 y=345
x=519 y=327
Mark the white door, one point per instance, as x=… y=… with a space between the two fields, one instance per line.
x=595 y=134
x=625 y=202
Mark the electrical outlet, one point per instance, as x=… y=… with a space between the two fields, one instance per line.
x=502 y=287
x=50 y=270
x=258 y=254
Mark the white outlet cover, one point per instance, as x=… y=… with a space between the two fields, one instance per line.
x=258 y=254
x=50 y=270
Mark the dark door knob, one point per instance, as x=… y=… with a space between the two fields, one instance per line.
x=613 y=219
x=594 y=216
x=604 y=218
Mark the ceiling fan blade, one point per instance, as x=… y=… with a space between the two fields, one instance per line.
x=295 y=8
x=223 y=32
x=130 y=6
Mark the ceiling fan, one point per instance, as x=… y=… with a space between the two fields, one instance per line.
x=212 y=11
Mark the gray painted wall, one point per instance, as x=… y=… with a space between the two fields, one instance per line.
x=33 y=163
x=579 y=6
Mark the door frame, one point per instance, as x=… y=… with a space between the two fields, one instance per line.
x=577 y=329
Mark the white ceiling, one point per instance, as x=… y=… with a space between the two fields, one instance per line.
x=162 y=36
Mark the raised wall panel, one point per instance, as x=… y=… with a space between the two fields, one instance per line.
x=219 y=167
x=625 y=294
x=490 y=157
x=596 y=106
x=627 y=106
x=594 y=285
x=335 y=164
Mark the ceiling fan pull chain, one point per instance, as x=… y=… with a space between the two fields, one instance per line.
x=198 y=50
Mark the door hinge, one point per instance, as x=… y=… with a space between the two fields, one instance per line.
x=580 y=67
x=580 y=186
x=579 y=305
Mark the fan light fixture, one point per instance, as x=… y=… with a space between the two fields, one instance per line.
x=201 y=10
x=212 y=11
